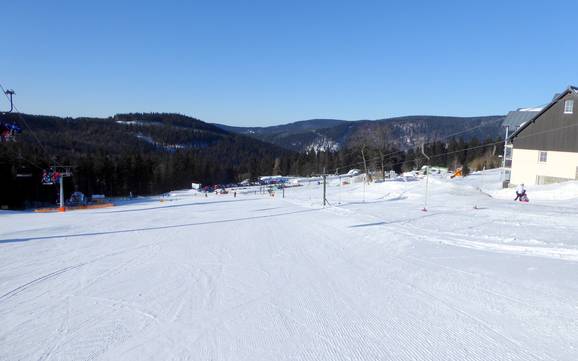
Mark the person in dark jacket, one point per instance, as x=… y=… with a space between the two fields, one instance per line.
x=520 y=192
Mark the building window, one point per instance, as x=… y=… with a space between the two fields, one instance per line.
x=569 y=106
x=544 y=179
x=543 y=157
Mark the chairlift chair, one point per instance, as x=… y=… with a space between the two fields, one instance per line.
x=23 y=172
x=8 y=131
x=49 y=178
x=55 y=174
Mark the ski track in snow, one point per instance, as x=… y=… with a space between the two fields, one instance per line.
x=265 y=278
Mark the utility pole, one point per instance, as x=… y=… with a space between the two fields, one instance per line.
x=324 y=178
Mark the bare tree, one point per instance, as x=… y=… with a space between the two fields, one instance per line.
x=419 y=161
x=382 y=139
x=277 y=166
x=363 y=148
x=361 y=140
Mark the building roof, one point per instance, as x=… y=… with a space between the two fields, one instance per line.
x=570 y=89
x=516 y=118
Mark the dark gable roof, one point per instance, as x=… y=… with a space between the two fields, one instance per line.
x=537 y=115
x=516 y=118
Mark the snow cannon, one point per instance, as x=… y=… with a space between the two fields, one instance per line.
x=457 y=173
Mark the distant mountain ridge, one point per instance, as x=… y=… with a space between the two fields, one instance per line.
x=403 y=132
x=289 y=128
x=146 y=132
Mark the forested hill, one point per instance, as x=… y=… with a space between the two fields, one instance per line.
x=156 y=152
x=402 y=132
x=138 y=153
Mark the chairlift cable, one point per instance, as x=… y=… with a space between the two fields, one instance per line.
x=19 y=156
x=19 y=115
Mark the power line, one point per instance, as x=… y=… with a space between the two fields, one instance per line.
x=487 y=144
x=388 y=155
x=498 y=142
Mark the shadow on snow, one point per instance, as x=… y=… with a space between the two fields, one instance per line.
x=177 y=206
x=16 y=240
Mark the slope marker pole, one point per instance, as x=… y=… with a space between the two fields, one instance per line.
x=324 y=188
x=426 y=178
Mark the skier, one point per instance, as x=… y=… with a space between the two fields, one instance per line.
x=4 y=132
x=47 y=177
x=14 y=129
x=9 y=131
x=520 y=192
x=56 y=177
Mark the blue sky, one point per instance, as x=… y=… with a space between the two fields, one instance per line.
x=271 y=62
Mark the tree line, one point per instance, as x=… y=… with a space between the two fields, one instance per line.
x=144 y=154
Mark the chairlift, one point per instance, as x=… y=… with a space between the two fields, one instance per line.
x=50 y=177
x=23 y=172
x=55 y=174
x=8 y=131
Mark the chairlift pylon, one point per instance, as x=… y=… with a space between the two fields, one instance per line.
x=8 y=131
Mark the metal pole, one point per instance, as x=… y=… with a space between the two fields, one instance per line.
x=324 y=190
x=426 y=188
x=283 y=191
x=504 y=155
x=10 y=93
x=426 y=177
x=364 y=181
x=61 y=180
x=340 y=186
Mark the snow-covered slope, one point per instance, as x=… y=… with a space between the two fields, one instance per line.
x=254 y=277
x=322 y=144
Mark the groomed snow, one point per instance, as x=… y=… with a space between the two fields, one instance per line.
x=371 y=277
